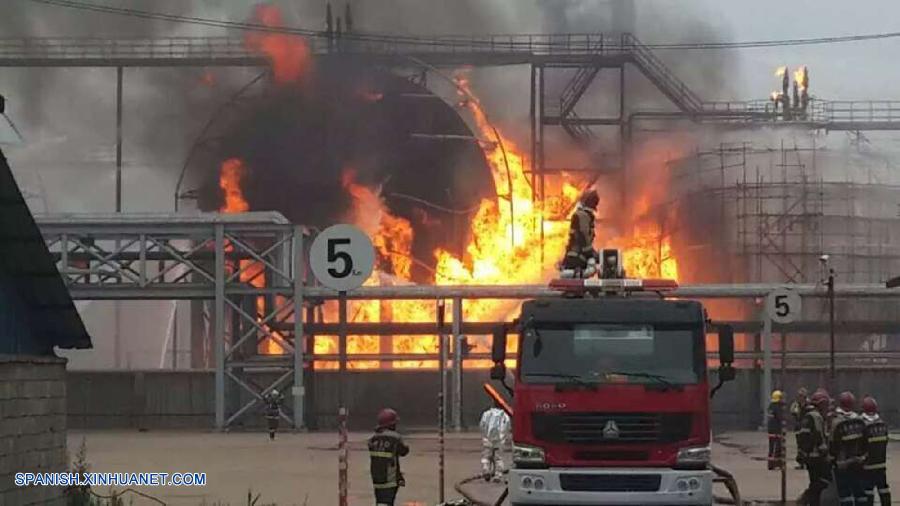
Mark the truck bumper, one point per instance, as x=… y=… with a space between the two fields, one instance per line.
x=579 y=486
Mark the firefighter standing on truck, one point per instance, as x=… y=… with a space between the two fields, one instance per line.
x=775 y=428
x=580 y=252
x=385 y=449
x=875 y=468
x=848 y=449
x=813 y=441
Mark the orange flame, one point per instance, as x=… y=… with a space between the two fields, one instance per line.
x=288 y=54
x=505 y=247
x=801 y=76
x=230 y=175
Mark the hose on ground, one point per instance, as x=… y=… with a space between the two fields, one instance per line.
x=475 y=502
x=730 y=483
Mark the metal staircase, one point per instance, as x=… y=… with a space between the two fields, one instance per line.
x=660 y=75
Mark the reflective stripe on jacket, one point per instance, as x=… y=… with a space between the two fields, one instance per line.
x=385 y=449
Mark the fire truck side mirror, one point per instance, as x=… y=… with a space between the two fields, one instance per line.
x=498 y=345
x=726 y=344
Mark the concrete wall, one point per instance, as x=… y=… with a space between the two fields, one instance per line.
x=166 y=399
x=32 y=425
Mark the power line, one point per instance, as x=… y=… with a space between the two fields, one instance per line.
x=447 y=40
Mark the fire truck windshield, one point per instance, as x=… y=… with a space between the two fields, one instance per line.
x=592 y=353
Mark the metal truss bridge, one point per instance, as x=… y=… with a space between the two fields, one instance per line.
x=588 y=51
x=577 y=59
x=251 y=269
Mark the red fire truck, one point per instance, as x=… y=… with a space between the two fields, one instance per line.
x=611 y=396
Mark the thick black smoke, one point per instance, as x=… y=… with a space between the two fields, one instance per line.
x=299 y=140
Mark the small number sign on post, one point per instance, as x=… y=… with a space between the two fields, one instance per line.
x=783 y=305
x=342 y=257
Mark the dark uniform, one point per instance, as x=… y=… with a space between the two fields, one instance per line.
x=385 y=449
x=848 y=449
x=580 y=248
x=875 y=468
x=273 y=401
x=813 y=443
x=798 y=408
x=775 y=428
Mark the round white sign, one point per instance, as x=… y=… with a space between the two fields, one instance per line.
x=783 y=305
x=342 y=257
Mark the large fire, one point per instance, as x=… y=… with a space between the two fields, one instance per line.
x=288 y=54
x=513 y=239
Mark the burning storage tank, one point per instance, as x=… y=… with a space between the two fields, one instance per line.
x=299 y=149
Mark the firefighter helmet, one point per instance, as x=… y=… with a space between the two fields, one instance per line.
x=847 y=401
x=819 y=399
x=387 y=418
x=590 y=199
x=869 y=405
x=777 y=396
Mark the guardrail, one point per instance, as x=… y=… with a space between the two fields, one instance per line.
x=234 y=47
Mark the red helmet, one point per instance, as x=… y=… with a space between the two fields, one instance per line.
x=819 y=398
x=869 y=405
x=387 y=417
x=847 y=401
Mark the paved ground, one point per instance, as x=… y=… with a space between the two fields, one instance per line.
x=301 y=469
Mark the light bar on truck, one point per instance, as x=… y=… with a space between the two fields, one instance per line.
x=613 y=285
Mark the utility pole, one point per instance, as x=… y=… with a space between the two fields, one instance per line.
x=117 y=338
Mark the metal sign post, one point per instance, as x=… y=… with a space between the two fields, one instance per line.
x=342 y=258
x=442 y=396
x=767 y=365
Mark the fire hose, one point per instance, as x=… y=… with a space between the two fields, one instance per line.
x=474 y=501
x=727 y=479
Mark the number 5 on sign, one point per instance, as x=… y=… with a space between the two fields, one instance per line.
x=783 y=305
x=342 y=257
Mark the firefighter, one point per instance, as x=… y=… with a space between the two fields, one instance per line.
x=495 y=437
x=875 y=468
x=798 y=408
x=580 y=252
x=848 y=450
x=385 y=449
x=813 y=441
x=775 y=428
x=273 y=401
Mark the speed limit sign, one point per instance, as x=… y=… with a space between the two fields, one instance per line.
x=783 y=305
x=342 y=257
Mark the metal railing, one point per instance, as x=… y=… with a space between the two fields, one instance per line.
x=235 y=47
x=862 y=111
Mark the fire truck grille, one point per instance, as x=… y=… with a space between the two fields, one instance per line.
x=611 y=428
x=610 y=482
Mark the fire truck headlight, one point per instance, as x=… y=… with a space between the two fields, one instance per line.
x=526 y=455
x=693 y=457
